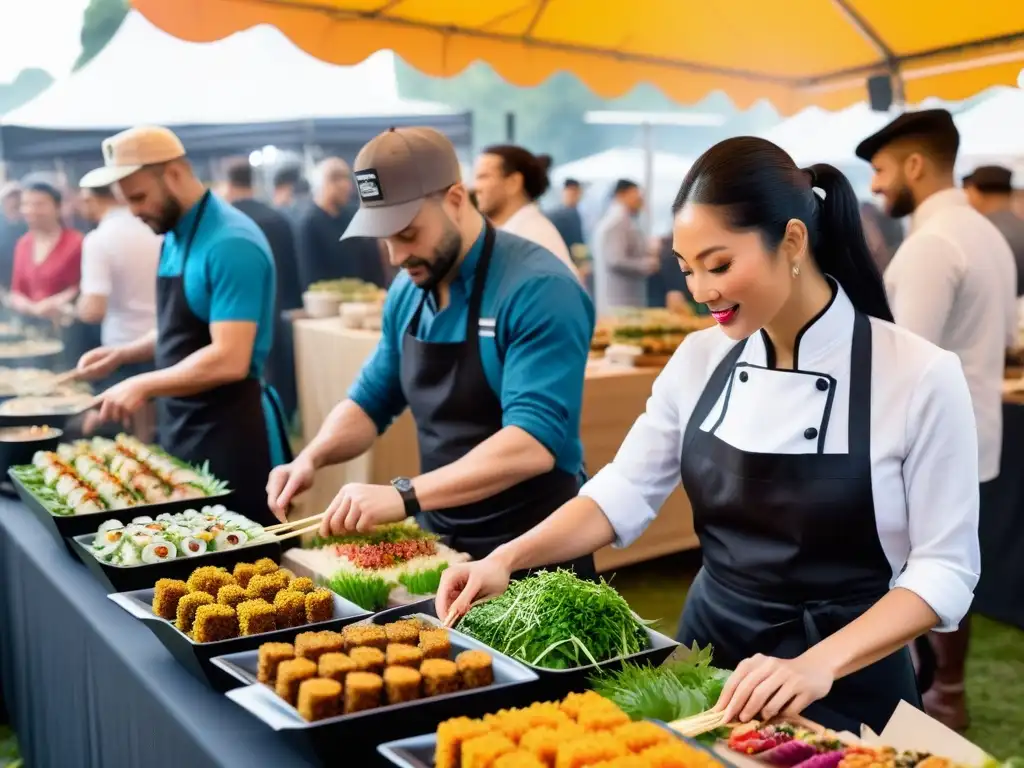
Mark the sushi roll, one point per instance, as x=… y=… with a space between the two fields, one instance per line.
x=193 y=547
x=158 y=552
x=230 y=539
x=66 y=484
x=89 y=505
x=110 y=552
x=166 y=517
x=190 y=514
x=255 y=532
x=110 y=525
x=183 y=492
x=142 y=520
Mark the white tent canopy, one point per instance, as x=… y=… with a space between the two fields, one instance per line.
x=818 y=136
x=145 y=76
x=993 y=131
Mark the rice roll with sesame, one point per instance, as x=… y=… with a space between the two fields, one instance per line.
x=319 y=699
x=291 y=608
x=290 y=675
x=214 y=623
x=302 y=584
x=187 y=607
x=209 y=579
x=166 y=595
x=231 y=595
x=319 y=606
x=263 y=587
x=265 y=565
x=271 y=655
x=243 y=573
x=256 y=617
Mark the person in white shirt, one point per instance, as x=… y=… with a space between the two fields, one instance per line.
x=830 y=456
x=507 y=180
x=953 y=281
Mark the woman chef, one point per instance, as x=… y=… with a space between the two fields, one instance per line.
x=829 y=456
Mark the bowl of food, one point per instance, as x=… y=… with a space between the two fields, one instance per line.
x=321 y=304
x=19 y=444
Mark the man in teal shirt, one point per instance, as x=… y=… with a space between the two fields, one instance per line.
x=215 y=319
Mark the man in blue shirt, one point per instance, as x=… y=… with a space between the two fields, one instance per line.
x=215 y=319
x=485 y=338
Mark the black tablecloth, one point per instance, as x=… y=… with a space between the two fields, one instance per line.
x=1000 y=592
x=89 y=686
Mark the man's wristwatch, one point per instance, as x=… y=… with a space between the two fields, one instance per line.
x=404 y=487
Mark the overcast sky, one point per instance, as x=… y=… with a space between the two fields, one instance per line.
x=39 y=33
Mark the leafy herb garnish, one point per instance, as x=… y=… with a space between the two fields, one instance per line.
x=367 y=591
x=424 y=582
x=382 y=534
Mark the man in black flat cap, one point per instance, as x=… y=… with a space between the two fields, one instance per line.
x=990 y=192
x=952 y=281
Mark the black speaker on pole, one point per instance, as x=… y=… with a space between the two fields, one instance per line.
x=880 y=92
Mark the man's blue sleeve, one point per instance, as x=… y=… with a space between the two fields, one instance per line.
x=548 y=325
x=378 y=389
x=241 y=282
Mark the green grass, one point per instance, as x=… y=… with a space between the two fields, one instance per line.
x=995 y=666
x=9 y=757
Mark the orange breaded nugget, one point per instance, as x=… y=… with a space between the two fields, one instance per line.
x=639 y=736
x=676 y=754
x=482 y=751
x=595 y=717
x=573 y=703
x=451 y=735
x=592 y=748
x=518 y=759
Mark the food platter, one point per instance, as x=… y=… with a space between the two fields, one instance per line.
x=196 y=657
x=513 y=684
x=52 y=410
x=31 y=353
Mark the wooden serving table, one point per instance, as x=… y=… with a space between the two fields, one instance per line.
x=328 y=358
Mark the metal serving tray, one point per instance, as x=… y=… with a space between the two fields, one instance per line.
x=66 y=527
x=125 y=578
x=418 y=751
x=513 y=686
x=196 y=657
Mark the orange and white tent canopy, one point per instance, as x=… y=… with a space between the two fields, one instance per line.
x=794 y=52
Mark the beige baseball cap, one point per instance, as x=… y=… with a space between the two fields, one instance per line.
x=131 y=150
x=394 y=173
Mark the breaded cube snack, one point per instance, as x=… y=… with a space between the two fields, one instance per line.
x=482 y=751
x=256 y=617
x=231 y=595
x=280 y=579
x=594 y=717
x=435 y=643
x=359 y=635
x=288 y=574
x=518 y=759
x=290 y=675
x=451 y=735
x=639 y=736
x=319 y=699
x=592 y=748
x=291 y=608
x=187 y=607
x=301 y=584
x=265 y=565
x=573 y=703
x=629 y=761
x=401 y=684
x=209 y=579
x=243 y=572
x=514 y=723
x=336 y=666
x=263 y=587
x=271 y=656
x=676 y=754
x=367 y=659
x=319 y=606
x=475 y=669
x=214 y=623
x=406 y=631
x=166 y=596
x=313 y=645
x=362 y=691
x=439 y=676
x=542 y=743
x=399 y=655
x=546 y=714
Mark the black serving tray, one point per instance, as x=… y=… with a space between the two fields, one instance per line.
x=67 y=527
x=126 y=578
x=196 y=657
x=514 y=685
x=556 y=683
x=418 y=751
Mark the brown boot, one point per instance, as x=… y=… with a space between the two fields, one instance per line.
x=945 y=699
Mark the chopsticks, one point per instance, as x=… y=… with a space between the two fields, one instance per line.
x=285 y=531
x=281 y=527
x=699 y=724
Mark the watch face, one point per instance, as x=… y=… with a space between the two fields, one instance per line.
x=403 y=484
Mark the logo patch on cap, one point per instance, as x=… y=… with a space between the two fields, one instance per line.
x=369 y=186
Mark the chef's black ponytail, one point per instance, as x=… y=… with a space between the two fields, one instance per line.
x=760 y=188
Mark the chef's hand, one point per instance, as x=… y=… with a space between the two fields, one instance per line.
x=463 y=583
x=99 y=363
x=767 y=686
x=288 y=481
x=122 y=400
x=361 y=507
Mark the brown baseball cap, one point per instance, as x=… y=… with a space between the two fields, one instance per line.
x=130 y=151
x=394 y=173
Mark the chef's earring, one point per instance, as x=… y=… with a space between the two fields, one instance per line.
x=796 y=270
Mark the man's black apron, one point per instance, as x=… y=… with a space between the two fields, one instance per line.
x=790 y=547
x=224 y=425
x=455 y=410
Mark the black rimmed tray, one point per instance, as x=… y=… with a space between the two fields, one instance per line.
x=418 y=751
x=69 y=526
x=125 y=578
x=196 y=657
x=514 y=685
x=556 y=683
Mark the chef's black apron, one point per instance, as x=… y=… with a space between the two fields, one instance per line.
x=790 y=546
x=224 y=425
x=455 y=410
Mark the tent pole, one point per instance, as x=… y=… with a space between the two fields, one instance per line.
x=648 y=142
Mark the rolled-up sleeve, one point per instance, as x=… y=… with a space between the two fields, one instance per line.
x=378 y=388
x=545 y=341
x=632 y=489
x=940 y=474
